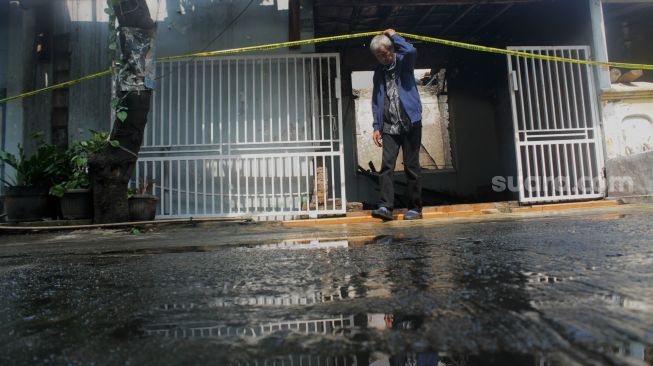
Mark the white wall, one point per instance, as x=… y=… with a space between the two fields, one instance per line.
x=628 y=132
x=628 y=119
x=4 y=46
x=4 y=39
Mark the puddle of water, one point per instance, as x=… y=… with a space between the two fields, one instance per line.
x=489 y=294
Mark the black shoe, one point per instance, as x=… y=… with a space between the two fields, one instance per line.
x=383 y=213
x=412 y=215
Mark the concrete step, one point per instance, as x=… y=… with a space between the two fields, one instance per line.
x=452 y=211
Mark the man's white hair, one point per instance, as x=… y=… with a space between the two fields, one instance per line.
x=381 y=41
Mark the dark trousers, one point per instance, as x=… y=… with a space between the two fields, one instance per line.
x=410 y=144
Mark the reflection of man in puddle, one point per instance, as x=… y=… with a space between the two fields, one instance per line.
x=397 y=112
x=406 y=358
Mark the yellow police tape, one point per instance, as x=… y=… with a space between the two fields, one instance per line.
x=57 y=86
x=266 y=47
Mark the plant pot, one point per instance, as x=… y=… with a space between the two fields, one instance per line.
x=26 y=203
x=77 y=204
x=142 y=207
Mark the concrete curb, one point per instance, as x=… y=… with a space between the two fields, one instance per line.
x=54 y=226
x=452 y=211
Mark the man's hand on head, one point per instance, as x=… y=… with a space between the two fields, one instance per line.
x=377 y=138
x=389 y=32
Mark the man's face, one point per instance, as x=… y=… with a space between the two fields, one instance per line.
x=384 y=56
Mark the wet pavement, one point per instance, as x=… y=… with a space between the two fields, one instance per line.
x=542 y=290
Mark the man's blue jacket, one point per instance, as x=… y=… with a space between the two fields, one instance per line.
x=405 y=55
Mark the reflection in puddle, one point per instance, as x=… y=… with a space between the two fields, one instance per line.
x=329 y=325
x=292 y=299
x=610 y=216
x=316 y=297
x=305 y=244
x=609 y=299
x=343 y=307
x=543 y=278
x=302 y=243
x=339 y=324
x=627 y=303
x=303 y=360
x=317 y=243
x=364 y=327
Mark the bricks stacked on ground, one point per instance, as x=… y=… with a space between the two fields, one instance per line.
x=321 y=185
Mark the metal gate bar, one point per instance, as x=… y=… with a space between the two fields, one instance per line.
x=555 y=116
x=246 y=135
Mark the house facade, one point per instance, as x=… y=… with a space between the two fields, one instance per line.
x=284 y=133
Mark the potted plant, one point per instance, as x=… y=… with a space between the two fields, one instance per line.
x=142 y=203
x=26 y=195
x=73 y=190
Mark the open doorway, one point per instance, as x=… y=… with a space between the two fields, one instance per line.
x=435 y=153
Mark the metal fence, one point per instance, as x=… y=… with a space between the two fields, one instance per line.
x=555 y=114
x=246 y=136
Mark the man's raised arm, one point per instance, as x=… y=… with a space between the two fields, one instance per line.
x=401 y=46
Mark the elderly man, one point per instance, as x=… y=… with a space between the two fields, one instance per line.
x=397 y=114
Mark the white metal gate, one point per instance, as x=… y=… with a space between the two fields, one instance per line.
x=555 y=118
x=246 y=136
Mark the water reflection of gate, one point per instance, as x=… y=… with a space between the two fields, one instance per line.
x=302 y=360
x=308 y=298
x=319 y=326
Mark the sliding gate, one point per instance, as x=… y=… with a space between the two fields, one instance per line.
x=555 y=119
x=246 y=136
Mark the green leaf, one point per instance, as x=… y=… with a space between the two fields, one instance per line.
x=114 y=104
x=114 y=143
x=57 y=190
x=37 y=134
x=79 y=161
x=122 y=116
x=113 y=45
x=9 y=159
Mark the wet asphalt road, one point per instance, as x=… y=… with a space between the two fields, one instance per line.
x=572 y=289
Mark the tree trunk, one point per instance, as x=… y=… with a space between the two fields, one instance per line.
x=111 y=169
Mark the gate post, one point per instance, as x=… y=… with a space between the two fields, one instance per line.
x=599 y=45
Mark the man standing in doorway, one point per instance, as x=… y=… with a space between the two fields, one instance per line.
x=397 y=112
